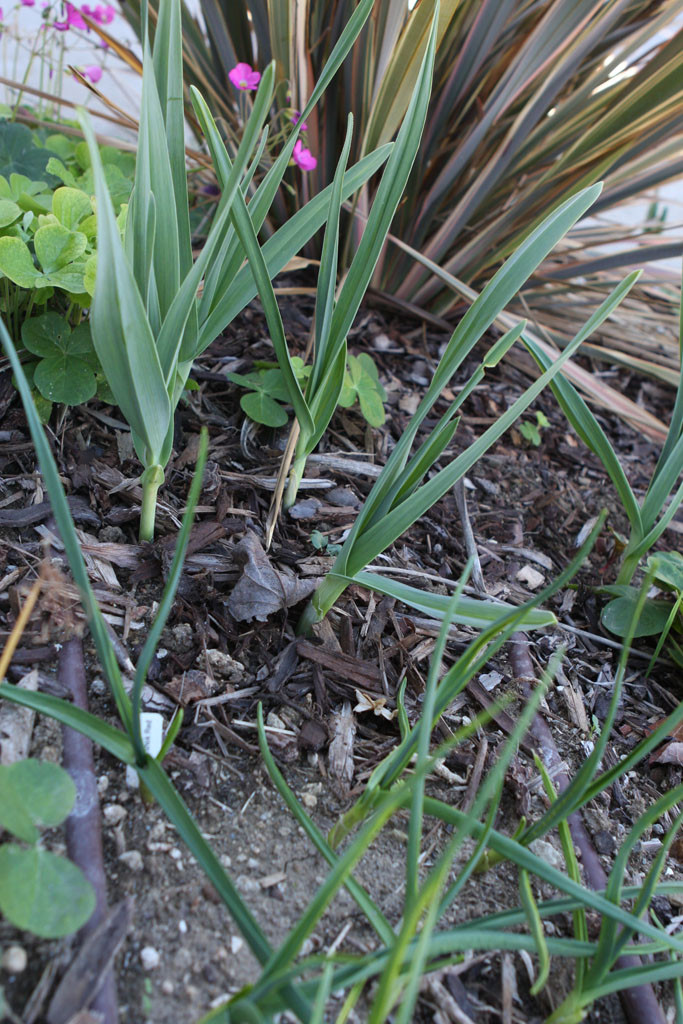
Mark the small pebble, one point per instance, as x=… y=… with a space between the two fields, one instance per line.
x=114 y=814
x=132 y=859
x=150 y=958
x=167 y=987
x=236 y=944
x=309 y=800
x=182 y=927
x=14 y=959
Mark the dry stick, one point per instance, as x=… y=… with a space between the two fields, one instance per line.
x=83 y=826
x=639 y=1003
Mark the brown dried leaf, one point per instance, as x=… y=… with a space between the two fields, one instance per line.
x=263 y=590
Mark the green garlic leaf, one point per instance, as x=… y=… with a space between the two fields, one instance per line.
x=43 y=893
x=33 y=795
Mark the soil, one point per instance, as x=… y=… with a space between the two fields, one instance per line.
x=527 y=505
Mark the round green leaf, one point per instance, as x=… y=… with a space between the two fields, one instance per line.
x=43 y=893
x=16 y=263
x=70 y=206
x=616 y=616
x=56 y=246
x=669 y=569
x=46 y=335
x=34 y=793
x=262 y=409
x=9 y=212
x=371 y=406
x=65 y=378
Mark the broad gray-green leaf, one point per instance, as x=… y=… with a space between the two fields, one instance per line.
x=122 y=336
x=34 y=795
x=43 y=893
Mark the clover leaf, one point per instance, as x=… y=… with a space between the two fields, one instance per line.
x=39 y=891
x=67 y=367
x=19 y=153
x=362 y=382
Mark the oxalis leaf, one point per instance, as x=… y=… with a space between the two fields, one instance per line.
x=43 y=893
x=66 y=372
x=34 y=794
x=617 y=614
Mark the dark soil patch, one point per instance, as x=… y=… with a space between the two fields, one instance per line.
x=527 y=506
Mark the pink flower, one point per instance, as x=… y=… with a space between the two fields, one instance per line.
x=303 y=158
x=296 y=118
x=244 y=77
x=28 y=3
x=73 y=20
x=93 y=72
x=104 y=15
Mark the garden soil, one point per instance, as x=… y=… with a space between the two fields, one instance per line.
x=529 y=505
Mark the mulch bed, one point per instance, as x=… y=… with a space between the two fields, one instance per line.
x=527 y=506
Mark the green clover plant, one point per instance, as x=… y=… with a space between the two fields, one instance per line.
x=149 y=321
x=267 y=389
x=40 y=892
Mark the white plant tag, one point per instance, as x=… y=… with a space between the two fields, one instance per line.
x=152 y=729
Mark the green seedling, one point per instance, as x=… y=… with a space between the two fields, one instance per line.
x=649 y=518
x=321 y=543
x=149 y=320
x=531 y=431
x=659 y=617
x=268 y=389
x=39 y=891
x=404 y=491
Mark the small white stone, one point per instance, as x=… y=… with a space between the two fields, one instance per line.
x=309 y=800
x=182 y=927
x=236 y=944
x=14 y=959
x=175 y=853
x=114 y=814
x=167 y=987
x=150 y=958
x=547 y=852
x=132 y=859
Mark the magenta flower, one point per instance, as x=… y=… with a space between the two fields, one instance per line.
x=28 y=3
x=244 y=77
x=303 y=158
x=73 y=20
x=296 y=118
x=93 y=72
x=104 y=15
